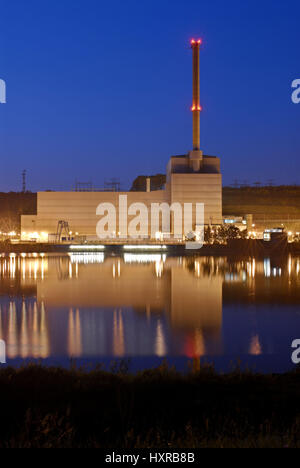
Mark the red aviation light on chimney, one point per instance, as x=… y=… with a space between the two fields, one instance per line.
x=196 y=108
x=196 y=42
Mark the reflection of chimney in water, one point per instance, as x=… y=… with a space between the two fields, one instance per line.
x=199 y=343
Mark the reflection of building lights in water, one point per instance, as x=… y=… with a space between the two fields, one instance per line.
x=159 y=268
x=290 y=265
x=255 y=346
x=44 y=340
x=253 y=268
x=269 y=271
x=74 y=334
x=12 y=336
x=160 y=342
x=117 y=270
x=267 y=267
x=250 y=269
x=24 y=339
x=118 y=334
x=191 y=307
x=197 y=268
x=86 y=258
x=43 y=269
x=235 y=277
x=20 y=265
x=35 y=333
x=27 y=332
x=35 y=269
x=12 y=265
x=144 y=258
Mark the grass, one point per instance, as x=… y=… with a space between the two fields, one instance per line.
x=157 y=408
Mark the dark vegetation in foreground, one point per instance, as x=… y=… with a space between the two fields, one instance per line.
x=160 y=408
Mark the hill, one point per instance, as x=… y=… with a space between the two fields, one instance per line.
x=269 y=205
x=12 y=206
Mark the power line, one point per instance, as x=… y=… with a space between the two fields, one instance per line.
x=24 y=173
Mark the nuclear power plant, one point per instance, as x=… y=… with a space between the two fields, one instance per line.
x=191 y=178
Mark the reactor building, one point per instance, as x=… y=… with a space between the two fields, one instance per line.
x=191 y=178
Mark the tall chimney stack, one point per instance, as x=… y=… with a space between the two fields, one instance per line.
x=196 y=107
x=196 y=156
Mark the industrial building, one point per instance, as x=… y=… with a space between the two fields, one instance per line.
x=191 y=178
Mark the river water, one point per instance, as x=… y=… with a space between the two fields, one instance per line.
x=89 y=308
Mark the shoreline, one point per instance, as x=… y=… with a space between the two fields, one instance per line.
x=253 y=248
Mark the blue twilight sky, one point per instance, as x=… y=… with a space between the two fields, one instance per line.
x=103 y=89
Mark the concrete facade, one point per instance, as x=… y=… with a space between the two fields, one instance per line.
x=79 y=208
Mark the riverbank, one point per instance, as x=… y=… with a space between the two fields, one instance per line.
x=160 y=408
x=241 y=247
